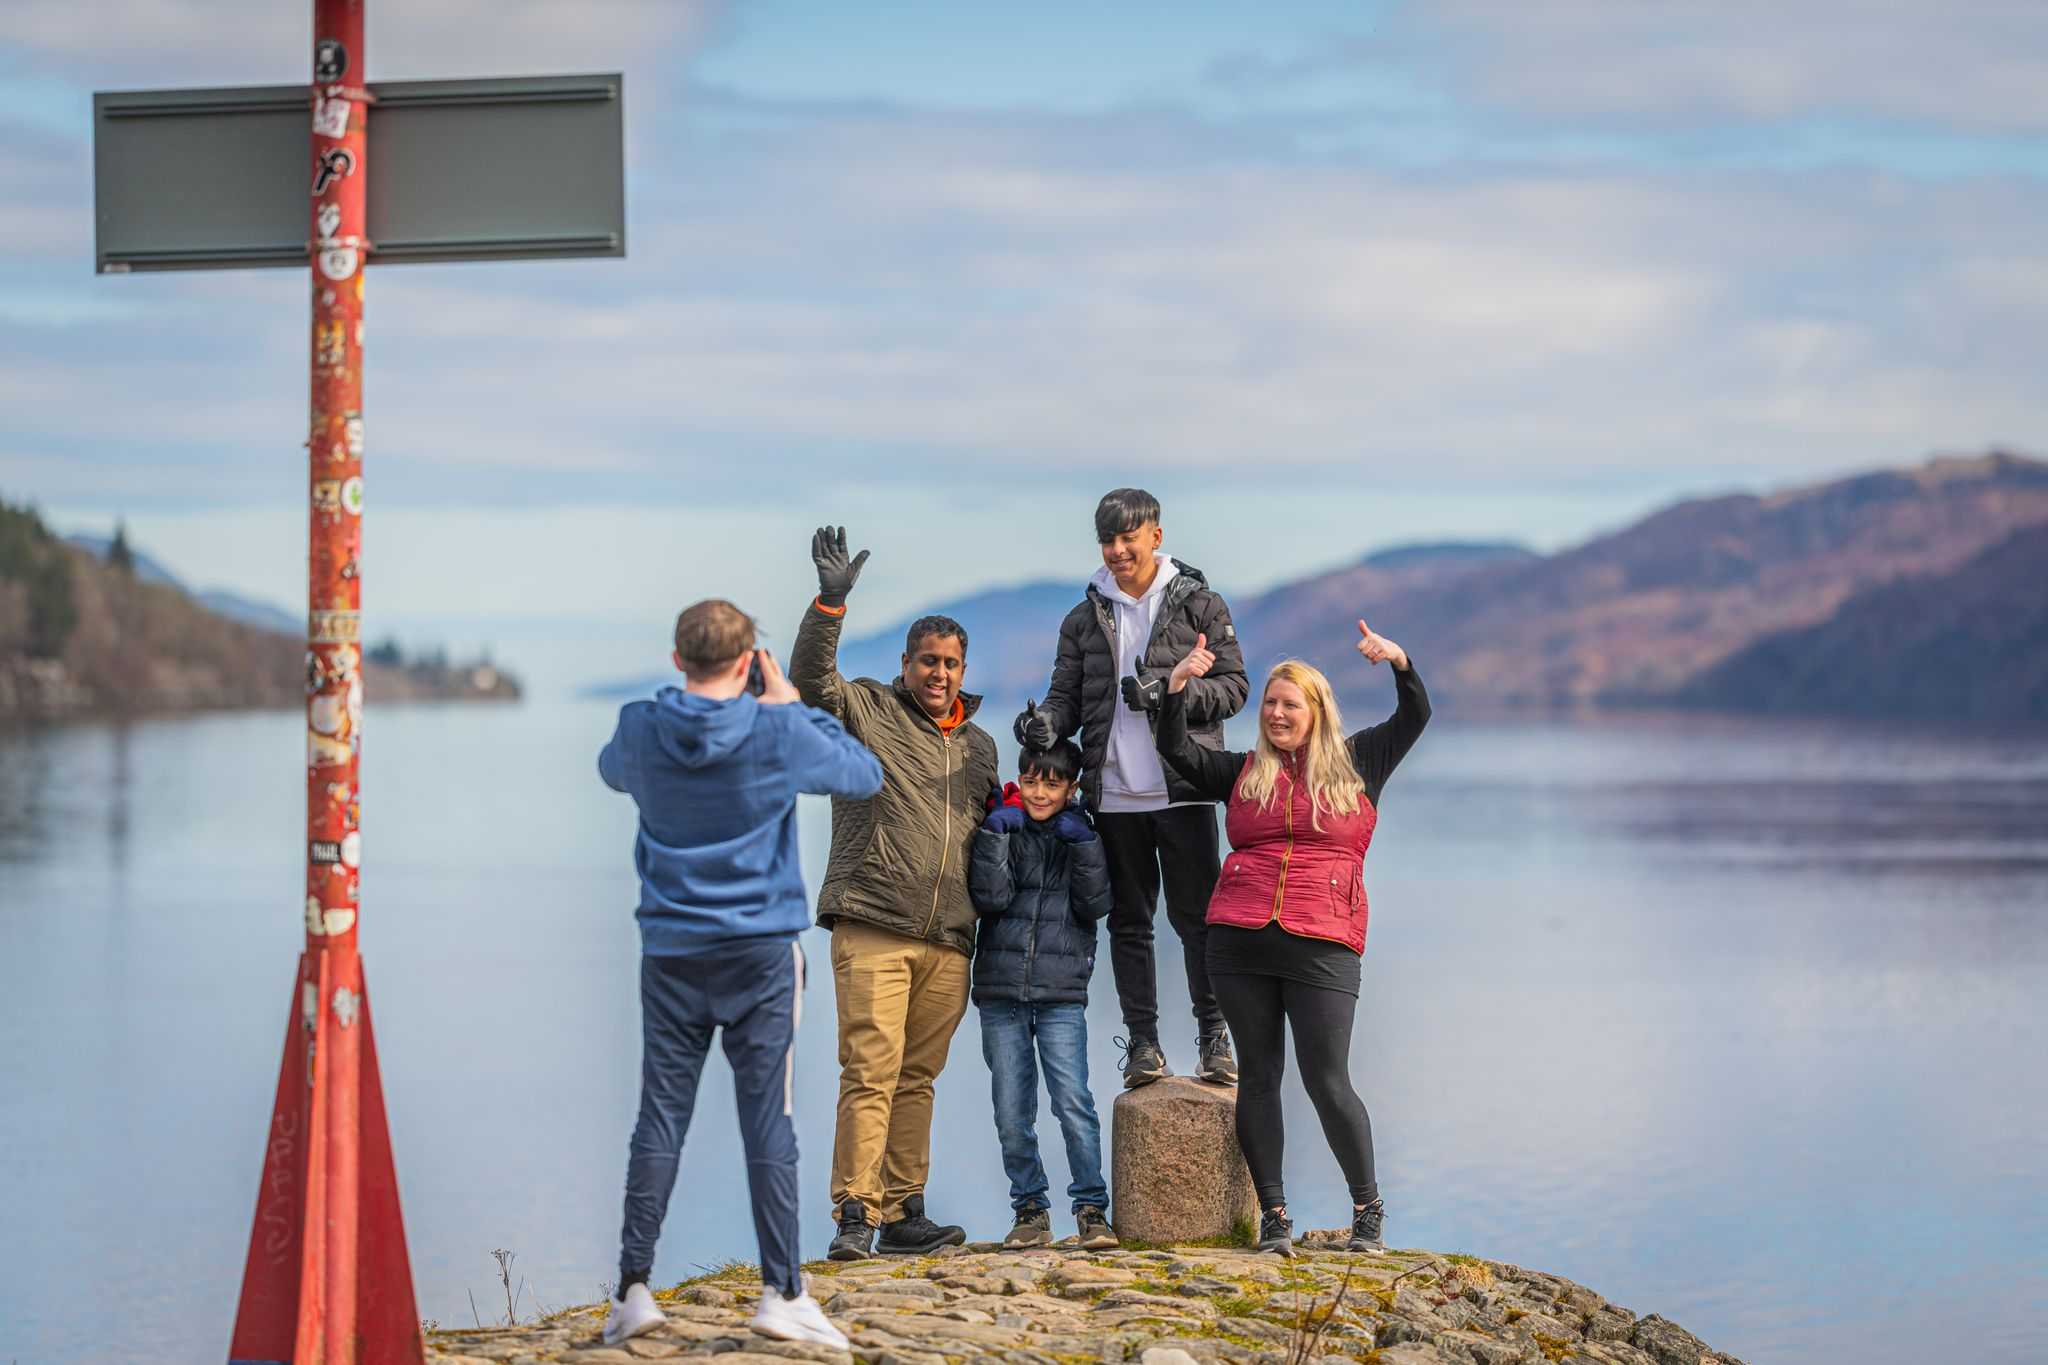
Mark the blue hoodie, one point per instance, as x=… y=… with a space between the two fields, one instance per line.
x=716 y=783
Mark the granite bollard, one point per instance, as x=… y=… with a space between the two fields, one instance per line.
x=1176 y=1174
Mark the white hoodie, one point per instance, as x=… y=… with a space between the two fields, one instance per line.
x=1133 y=779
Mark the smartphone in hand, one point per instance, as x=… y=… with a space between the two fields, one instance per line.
x=757 y=681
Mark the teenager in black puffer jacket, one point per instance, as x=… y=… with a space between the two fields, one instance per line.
x=1039 y=882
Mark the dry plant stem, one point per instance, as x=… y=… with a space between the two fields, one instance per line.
x=472 y=1307
x=505 y=1259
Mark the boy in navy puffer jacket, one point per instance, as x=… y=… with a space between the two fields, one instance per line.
x=1040 y=883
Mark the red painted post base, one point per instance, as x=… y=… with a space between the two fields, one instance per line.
x=328 y=1281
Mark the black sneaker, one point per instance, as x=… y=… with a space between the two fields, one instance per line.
x=1276 y=1233
x=1143 y=1062
x=1218 y=1066
x=916 y=1235
x=856 y=1239
x=1092 y=1231
x=1365 y=1227
x=1034 y=1229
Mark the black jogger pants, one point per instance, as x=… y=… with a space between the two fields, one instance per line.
x=1176 y=846
x=1261 y=1011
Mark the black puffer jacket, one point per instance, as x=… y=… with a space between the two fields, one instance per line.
x=1085 y=685
x=1039 y=899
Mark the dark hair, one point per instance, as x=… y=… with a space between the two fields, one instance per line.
x=941 y=626
x=1121 y=510
x=1061 y=763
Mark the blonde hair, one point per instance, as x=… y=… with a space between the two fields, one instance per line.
x=1333 y=783
x=710 y=635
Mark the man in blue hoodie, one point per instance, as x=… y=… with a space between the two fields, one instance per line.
x=715 y=768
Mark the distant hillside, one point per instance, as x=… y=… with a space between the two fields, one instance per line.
x=221 y=602
x=80 y=636
x=1010 y=638
x=1635 y=616
x=1299 y=618
x=1971 y=645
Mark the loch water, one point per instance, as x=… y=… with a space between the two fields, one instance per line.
x=1740 y=1022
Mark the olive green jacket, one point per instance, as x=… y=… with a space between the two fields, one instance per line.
x=899 y=858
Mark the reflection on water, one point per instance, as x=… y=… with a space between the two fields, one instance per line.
x=1739 y=1023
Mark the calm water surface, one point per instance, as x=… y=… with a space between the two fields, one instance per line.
x=1740 y=1023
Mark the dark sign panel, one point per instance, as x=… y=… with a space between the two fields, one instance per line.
x=473 y=170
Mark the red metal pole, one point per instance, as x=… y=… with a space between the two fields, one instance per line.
x=327 y=1278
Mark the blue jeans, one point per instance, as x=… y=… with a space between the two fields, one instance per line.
x=1060 y=1035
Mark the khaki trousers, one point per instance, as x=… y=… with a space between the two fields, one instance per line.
x=900 y=999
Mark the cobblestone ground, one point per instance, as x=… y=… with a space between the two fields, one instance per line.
x=1178 y=1306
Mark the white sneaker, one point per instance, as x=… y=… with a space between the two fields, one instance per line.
x=797 y=1319
x=633 y=1316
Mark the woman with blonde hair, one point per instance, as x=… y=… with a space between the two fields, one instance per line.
x=1287 y=920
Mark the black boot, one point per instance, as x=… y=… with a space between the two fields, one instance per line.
x=856 y=1239
x=916 y=1235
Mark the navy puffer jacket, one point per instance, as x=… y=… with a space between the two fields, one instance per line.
x=1039 y=899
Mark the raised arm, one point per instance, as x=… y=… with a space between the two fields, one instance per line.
x=1044 y=723
x=1088 y=880
x=612 y=760
x=823 y=759
x=814 y=661
x=989 y=885
x=1211 y=772
x=1377 y=750
x=1219 y=694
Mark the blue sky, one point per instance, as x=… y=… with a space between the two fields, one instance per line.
x=1325 y=276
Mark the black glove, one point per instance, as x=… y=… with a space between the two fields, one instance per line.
x=836 y=573
x=1144 y=696
x=1034 y=728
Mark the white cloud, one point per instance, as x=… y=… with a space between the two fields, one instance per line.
x=1973 y=63
x=269 y=42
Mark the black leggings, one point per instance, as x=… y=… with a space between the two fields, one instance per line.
x=1256 y=1008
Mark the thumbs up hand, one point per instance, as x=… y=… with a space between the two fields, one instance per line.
x=1034 y=728
x=1375 y=648
x=1199 y=661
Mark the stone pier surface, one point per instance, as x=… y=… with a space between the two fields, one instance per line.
x=1172 y=1306
x=1175 y=1165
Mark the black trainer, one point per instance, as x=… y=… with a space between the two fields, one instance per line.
x=1218 y=1066
x=1092 y=1231
x=1034 y=1229
x=916 y=1235
x=1365 y=1227
x=1143 y=1062
x=1276 y=1233
x=856 y=1239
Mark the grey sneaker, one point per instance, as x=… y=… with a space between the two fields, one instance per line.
x=1365 y=1227
x=1217 y=1066
x=1143 y=1062
x=1276 y=1233
x=1092 y=1231
x=1034 y=1229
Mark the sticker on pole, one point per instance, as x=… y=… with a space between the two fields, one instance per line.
x=330 y=61
x=330 y=117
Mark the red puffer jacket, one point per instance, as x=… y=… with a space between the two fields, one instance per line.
x=1282 y=867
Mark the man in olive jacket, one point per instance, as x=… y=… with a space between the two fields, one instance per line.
x=895 y=899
